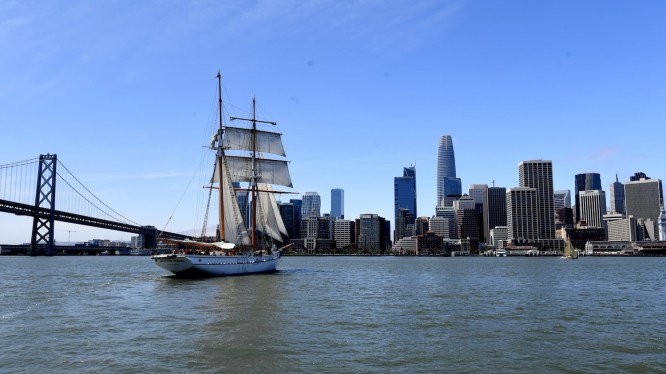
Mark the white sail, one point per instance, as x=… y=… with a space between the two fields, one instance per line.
x=271 y=219
x=234 y=228
x=240 y=139
x=269 y=171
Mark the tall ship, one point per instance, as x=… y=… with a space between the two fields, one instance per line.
x=249 y=162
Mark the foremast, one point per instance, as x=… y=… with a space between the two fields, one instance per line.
x=220 y=156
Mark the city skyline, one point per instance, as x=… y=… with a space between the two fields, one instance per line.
x=123 y=94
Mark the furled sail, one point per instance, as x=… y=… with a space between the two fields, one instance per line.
x=274 y=226
x=240 y=139
x=268 y=170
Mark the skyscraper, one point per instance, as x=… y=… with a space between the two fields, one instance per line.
x=592 y=207
x=496 y=207
x=338 y=203
x=311 y=205
x=644 y=199
x=538 y=174
x=449 y=188
x=585 y=182
x=522 y=213
x=617 y=196
x=479 y=192
x=404 y=197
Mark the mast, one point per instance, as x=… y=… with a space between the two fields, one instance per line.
x=219 y=155
x=254 y=177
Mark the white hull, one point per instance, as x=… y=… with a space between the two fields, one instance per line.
x=216 y=266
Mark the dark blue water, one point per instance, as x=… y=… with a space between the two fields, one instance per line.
x=336 y=315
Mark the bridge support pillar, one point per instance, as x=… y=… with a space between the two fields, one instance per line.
x=42 y=242
x=150 y=240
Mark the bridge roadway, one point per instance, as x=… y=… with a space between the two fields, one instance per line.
x=149 y=232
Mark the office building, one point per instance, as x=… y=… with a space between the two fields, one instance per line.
x=338 y=203
x=311 y=205
x=592 y=207
x=449 y=187
x=479 y=192
x=449 y=213
x=404 y=193
x=522 y=214
x=289 y=218
x=538 y=174
x=343 y=233
x=585 y=182
x=440 y=226
x=371 y=232
x=643 y=200
x=617 y=196
x=496 y=207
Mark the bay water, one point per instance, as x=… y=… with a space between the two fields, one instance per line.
x=123 y=314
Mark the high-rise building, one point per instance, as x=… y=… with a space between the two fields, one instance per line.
x=585 y=182
x=338 y=203
x=479 y=192
x=404 y=224
x=522 y=213
x=311 y=205
x=643 y=200
x=496 y=207
x=289 y=218
x=404 y=197
x=449 y=188
x=371 y=232
x=592 y=207
x=449 y=213
x=343 y=233
x=617 y=196
x=298 y=217
x=638 y=176
x=561 y=200
x=538 y=174
x=662 y=223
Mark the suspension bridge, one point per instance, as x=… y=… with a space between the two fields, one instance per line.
x=28 y=188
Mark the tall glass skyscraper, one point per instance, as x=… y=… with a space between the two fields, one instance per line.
x=538 y=174
x=404 y=191
x=338 y=203
x=449 y=188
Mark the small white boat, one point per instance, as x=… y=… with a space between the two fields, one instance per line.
x=241 y=170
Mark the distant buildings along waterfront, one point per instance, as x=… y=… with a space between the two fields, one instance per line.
x=338 y=203
x=404 y=191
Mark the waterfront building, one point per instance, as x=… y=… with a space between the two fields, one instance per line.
x=623 y=229
x=449 y=213
x=561 y=200
x=338 y=203
x=538 y=174
x=643 y=200
x=404 y=224
x=298 y=216
x=404 y=192
x=317 y=227
x=422 y=226
x=496 y=207
x=289 y=218
x=479 y=192
x=617 y=196
x=499 y=236
x=440 y=226
x=311 y=205
x=522 y=214
x=429 y=244
x=343 y=233
x=662 y=224
x=405 y=246
x=585 y=182
x=449 y=187
x=467 y=225
x=592 y=207
x=371 y=232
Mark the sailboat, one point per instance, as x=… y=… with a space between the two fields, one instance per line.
x=241 y=169
x=569 y=251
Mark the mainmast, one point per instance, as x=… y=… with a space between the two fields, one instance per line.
x=255 y=176
x=220 y=153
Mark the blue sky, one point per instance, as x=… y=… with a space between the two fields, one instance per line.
x=123 y=92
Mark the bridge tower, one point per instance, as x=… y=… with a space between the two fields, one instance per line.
x=42 y=226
